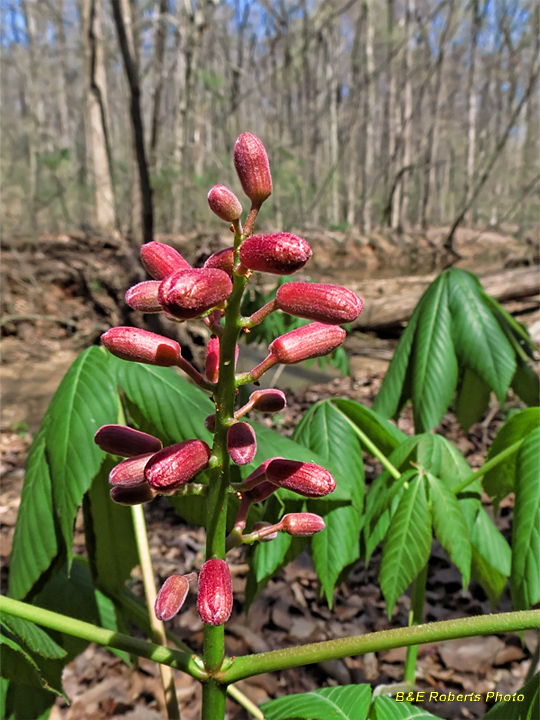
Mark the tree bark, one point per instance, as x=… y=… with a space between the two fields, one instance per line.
x=369 y=162
x=159 y=53
x=472 y=94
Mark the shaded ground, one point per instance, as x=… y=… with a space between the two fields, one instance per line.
x=78 y=299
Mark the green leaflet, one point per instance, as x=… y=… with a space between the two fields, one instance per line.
x=349 y=702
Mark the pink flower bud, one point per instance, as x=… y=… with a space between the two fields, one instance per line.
x=222 y=260
x=133 y=494
x=210 y=423
x=162 y=260
x=171 y=597
x=241 y=443
x=130 y=472
x=251 y=163
x=141 y=346
x=268 y=401
x=304 y=478
x=278 y=253
x=125 y=441
x=144 y=296
x=302 y=524
x=187 y=294
x=176 y=465
x=215 y=596
x=306 y=342
x=329 y=304
x=224 y=203
x=212 y=359
x=262 y=526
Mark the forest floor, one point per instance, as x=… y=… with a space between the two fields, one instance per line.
x=61 y=303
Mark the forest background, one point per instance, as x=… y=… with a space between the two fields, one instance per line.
x=399 y=114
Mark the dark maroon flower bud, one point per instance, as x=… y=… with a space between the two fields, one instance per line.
x=141 y=346
x=210 y=423
x=212 y=359
x=241 y=443
x=329 y=304
x=306 y=342
x=144 y=297
x=187 y=294
x=302 y=524
x=260 y=492
x=221 y=260
x=268 y=401
x=262 y=526
x=251 y=163
x=125 y=441
x=176 y=465
x=162 y=260
x=133 y=494
x=304 y=478
x=171 y=597
x=258 y=475
x=224 y=203
x=130 y=472
x=278 y=253
x=215 y=596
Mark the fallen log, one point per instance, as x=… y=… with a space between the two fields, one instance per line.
x=392 y=309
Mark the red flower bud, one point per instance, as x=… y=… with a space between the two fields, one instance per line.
x=176 y=465
x=308 y=341
x=329 y=304
x=141 y=346
x=262 y=526
x=268 y=401
x=241 y=443
x=133 y=494
x=259 y=493
x=162 y=260
x=171 y=597
x=278 y=253
x=144 y=296
x=187 y=294
x=125 y=441
x=215 y=597
x=304 y=478
x=212 y=359
x=221 y=260
x=302 y=524
x=130 y=472
x=210 y=423
x=224 y=203
x=251 y=163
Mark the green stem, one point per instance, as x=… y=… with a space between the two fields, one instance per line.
x=371 y=447
x=190 y=664
x=158 y=629
x=418 y=594
x=486 y=467
x=245 y=702
x=250 y=665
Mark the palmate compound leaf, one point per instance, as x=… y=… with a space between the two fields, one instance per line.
x=385 y=708
x=525 y=573
x=526 y=709
x=407 y=542
x=350 y=702
x=61 y=464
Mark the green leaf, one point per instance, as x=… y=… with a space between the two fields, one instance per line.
x=169 y=406
x=499 y=481
x=450 y=527
x=23 y=702
x=491 y=555
x=350 y=702
x=472 y=399
x=407 y=543
x=525 y=574
x=34 y=637
x=382 y=433
x=526 y=709
x=395 y=389
x=526 y=383
x=385 y=708
x=480 y=344
x=434 y=360
x=35 y=543
x=20 y=666
x=110 y=536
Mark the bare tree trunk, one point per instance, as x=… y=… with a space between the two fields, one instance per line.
x=390 y=112
x=159 y=52
x=66 y=136
x=369 y=115
x=407 y=109
x=355 y=124
x=333 y=135
x=127 y=48
x=471 y=134
x=98 y=117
